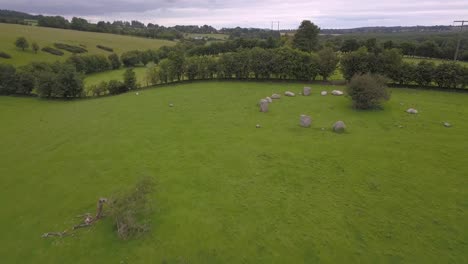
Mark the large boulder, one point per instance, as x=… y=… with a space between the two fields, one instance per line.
x=275 y=96
x=337 y=92
x=306 y=91
x=289 y=93
x=412 y=111
x=323 y=93
x=339 y=127
x=269 y=99
x=263 y=105
x=305 y=121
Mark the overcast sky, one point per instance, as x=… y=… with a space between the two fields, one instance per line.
x=254 y=13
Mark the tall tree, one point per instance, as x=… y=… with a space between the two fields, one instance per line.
x=305 y=38
x=130 y=80
x=22 y=43
x=327 y=62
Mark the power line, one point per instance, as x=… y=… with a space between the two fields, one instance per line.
x=459 y=37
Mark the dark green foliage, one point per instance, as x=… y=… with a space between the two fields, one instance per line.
x=368 y=91
x=105 y=48
x=22 y=43
x=116 y=87
x=70 y=48
x=25 y=80
x=114 y=61
x=90 y=63
x=58 y=80
x=448 y=75
x=130 y=81
x=356 y=62
x=131 y=209
x=131 y=58
x=350 y=45
x=305 y=38
x=424 y=73
x=5 y=55
x=53 y=51
x=7 y=79
x=327 y=62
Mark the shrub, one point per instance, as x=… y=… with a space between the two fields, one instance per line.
x=35 y=47
x=368 y=91
x=7 y=79
x=130 y=80
x=70 y=48
x=114 y=61
x=116 y=87
x=131 y=58
x=53 y=51
x=448 y=75
x=100 y=89
x=130 y=210
x=105 y=48
x=4 y=55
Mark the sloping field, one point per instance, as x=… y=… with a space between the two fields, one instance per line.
x=48 y=36
x=392 y=189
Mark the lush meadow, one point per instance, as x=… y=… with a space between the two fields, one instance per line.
x=392 y=189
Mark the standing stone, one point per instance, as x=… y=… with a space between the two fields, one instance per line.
x=306 y=91
x=289 y=93
x=323 y=93
x=412 y=111
x=447 y=124
x=275 y=96
x=269 y=99
x=305 y=121
x=337 y=92
x=263 y=105
x=339 y=127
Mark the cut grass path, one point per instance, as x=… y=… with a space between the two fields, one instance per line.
x=230 y=193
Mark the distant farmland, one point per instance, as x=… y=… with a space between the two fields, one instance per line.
x=48 y=36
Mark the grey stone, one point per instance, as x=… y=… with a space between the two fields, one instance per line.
x=258 y=126
x=412 y=111
x=339 y=127
x=269 y=99
x=289 y=93
x=275 y=96
x=263 y=105
x=323 y=93
x=305 y=121
x=171 y=105
x=306 y=91
x=447 y=124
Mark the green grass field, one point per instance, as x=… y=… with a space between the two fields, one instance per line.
x=48 y=36
x=228 y=192
x=96 y=78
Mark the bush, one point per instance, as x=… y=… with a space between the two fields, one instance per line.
x=100 y=89
x=53 y=51
x=130 y=80
x=114 y=61
x=130 y=210
x=105 y=48
x=116 y=87
x=7 y=79
x=5 y=55
x=70 y=48
x=131 y=58
x=368 y=91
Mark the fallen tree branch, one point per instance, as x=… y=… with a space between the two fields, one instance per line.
x=87 y=221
